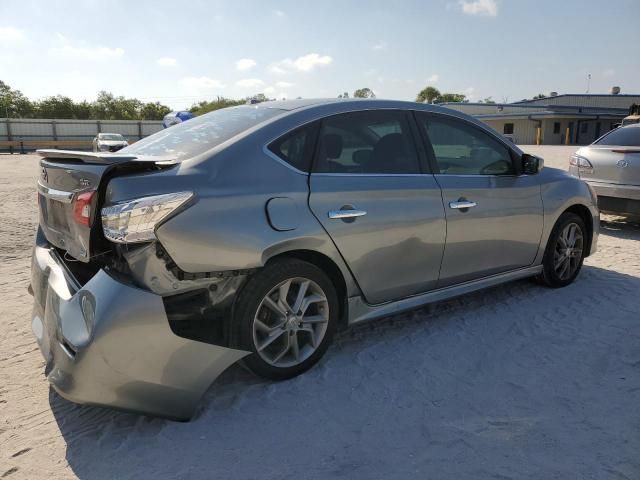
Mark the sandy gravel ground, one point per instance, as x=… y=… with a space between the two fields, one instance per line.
x=516 y=382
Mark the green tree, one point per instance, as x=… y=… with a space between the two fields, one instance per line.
x=364 y=93
x=83 y=110
x=451 y=98
x=56 y=107
x=153 y=111
x=220 y=102
x=13 y=103
x=540 y=95
x=428 y=95
x=488 y=100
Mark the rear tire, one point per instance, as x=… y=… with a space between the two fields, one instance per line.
x=286 y=317
x=565 y=251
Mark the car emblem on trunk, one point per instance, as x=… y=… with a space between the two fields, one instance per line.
x=45 y=175
x=622 y=163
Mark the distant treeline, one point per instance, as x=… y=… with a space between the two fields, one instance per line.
x=14 y=104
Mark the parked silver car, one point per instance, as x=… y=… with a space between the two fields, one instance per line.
x=252 y=233
x=611 y=165
x=109 y=142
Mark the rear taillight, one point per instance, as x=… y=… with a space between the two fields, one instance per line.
x=136 y=220
x=582 y=163
x=82 y=208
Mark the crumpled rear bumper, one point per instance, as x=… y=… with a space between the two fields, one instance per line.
x=108 y=343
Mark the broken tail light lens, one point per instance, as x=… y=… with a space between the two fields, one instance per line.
x=82 y=207
x=136 y=220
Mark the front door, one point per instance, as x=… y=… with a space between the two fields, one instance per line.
x=494 y=217
x=383 y=213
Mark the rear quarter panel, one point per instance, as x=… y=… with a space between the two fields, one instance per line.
x=228 y=228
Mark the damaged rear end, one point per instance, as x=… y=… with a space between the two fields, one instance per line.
x=118 y=322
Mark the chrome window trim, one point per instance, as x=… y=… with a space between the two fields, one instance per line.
x=335 y=174
x=265 y=147
x=478 y=175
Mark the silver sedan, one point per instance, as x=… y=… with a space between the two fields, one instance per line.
x=611 y=165
x=253 y=233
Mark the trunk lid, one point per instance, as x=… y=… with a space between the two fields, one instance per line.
x=612 y=164
x=70 y=192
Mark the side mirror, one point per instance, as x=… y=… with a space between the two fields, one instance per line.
x=530 y=164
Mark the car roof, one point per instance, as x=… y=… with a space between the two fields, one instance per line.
x=359 y=103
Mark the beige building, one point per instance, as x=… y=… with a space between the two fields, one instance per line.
x=577 y=119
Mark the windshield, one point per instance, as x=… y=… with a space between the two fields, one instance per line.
x=192 y=137
x=110 y=136
x=623 y=136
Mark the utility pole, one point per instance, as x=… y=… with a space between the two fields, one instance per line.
x=588 y=82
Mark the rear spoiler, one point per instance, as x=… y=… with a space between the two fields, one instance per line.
x=103 y=158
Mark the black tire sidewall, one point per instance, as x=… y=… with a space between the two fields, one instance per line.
x=256 y=288
x=549 y=275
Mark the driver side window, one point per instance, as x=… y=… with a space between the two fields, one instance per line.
x=462 y=149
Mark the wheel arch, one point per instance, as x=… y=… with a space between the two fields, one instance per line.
x=585 y=214
x=330 y=268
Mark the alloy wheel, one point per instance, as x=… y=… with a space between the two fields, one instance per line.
x=290 y=322
x=568 y=251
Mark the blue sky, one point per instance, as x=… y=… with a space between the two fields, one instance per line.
x=179 y=52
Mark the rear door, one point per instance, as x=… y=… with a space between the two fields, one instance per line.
x=494 y=216
x=383 y=212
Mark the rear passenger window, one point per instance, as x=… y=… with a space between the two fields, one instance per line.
x=295 y=148
x=366 y=142
x=461 y=149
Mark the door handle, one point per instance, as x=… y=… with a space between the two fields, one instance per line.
x=347 y=213
x=461 y=204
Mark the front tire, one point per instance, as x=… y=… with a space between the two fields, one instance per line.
x=565 y=251
x=285 y=316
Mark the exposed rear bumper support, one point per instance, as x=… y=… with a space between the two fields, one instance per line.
x=108 y=343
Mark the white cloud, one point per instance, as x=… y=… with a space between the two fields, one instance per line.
x=487 y=8
x=284 y=84
x=11 y=34
x=245 y=64
x=278 y=13
x=82 y=50
x=167 y=62
x=201 y=82
x=305 y=63
x=277 y=68
x=92 y=53
x=380 y=46
x=308 y=62
x=269 y=90
x=470 y=93
x=250 y=83
x=433 y=78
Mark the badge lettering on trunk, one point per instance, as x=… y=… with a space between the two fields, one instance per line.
x=622 y=163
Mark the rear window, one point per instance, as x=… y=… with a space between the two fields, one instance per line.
x=627 y=137
x=195 y=136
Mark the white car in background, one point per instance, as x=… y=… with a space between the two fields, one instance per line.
x=109 y=142
x=611 y=165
